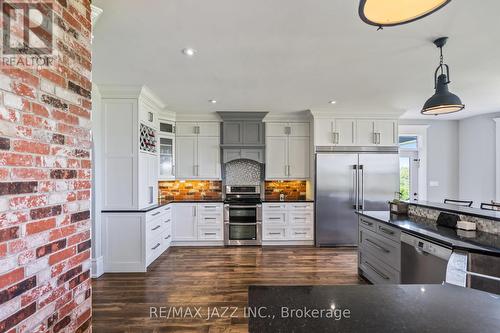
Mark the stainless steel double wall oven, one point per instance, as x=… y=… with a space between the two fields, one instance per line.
x=242 y=215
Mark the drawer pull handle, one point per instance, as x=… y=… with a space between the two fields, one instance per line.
x=383 y=276
x=301 y=233
x=274 y=206
x=156 y=228
x=210 y=218
x=300 y=218
x=168 y=208
x=210 y=207
x=167 y=237
x=275 y=233
x=387 y=231
x=157 y=213
x=300 y=206
x=274 y=218
x=383 y=249
x=210 y=233
x=367 y=223
x=167 y=221
x=155 y=247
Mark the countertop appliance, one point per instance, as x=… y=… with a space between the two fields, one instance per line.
x=349 y=179
x=242 y=215
x=423 y=261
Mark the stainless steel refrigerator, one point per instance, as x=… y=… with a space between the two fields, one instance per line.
x=351 y=179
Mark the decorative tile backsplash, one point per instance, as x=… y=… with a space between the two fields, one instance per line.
x=243 y=172
x=190 y=190
x=292 y=189
x=482 y=224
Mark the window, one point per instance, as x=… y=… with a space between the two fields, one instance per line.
x=408 y=167
x=408 y=142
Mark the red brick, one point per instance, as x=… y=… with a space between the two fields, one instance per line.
x=3 y=249
x=23 y=173
x=54 y=77
x=17 y=289
x=62 y=232
x=18 y=73
x=9 y=233
x=12 y=159
x=84 y=195
x=23 y=90
x=62 y=323
x=57 y=293
x=65 y=117
x=39 y=226
x=11 y=277
x=31 y=147
x=50 y=248
x=4 y=174
x=39 y=110
x=17 y=317
x=28 y=201
x=62 y=255
x=78 y=238
x=78 y=259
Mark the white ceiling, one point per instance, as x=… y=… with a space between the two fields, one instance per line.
x=294 y=55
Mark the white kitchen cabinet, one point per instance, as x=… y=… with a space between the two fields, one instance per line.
x=198 y=224
x=185 y=227
x=133 y=240
x=197 y=156
x=167 y=157
x=129 y=128
x=287 y=151
x=355 y=132
x=288 y=223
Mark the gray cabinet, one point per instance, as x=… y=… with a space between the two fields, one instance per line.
x=243 y=133
x=379 y=251
x=250 y=154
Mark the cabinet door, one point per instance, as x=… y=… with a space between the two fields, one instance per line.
x=299 y=129
x=232 y=132
x=298 y=157
x=144 y=195
x=364 y=132
x=167 y=153
x=185 y=157
x=153 y=174
x=276 y=157
x=276 y=129
x=253 y=133
x=208 y=164
x=186 y=129
x=184 y=219
x=345 y=131
x=148 y=114
x=323 y=132
x=387 y=130
x=209 y=129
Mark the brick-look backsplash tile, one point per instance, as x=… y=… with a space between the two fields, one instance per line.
x=292 y=189
x=45 y=184
x=191 y=190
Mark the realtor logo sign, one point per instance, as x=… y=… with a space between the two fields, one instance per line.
x=27 y=33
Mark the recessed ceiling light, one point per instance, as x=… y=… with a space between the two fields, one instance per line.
x=332 y=102
x=213 y=101
x=189 y=51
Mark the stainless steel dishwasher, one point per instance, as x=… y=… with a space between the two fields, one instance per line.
x=422 y=261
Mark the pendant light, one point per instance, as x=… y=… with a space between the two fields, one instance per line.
x=443 y=101
x=386 y=13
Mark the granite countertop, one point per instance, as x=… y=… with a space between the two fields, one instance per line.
x=374 y=308
x=161 y=203
x=458 y=239
x=471 y=211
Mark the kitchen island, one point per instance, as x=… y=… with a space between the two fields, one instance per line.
x=387 y=308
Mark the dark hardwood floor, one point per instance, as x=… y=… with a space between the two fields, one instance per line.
x=210 y=277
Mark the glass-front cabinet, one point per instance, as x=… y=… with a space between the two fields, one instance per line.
x=167 y=154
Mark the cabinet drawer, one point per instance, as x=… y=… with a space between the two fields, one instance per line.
x=210 y=219
x=208 y=208
x=300 y=206
x=300 y=218
x=376 y=271
x=367 y=224
x=154 y=249
x=275 y=219
x=305 y=233
x=154 y=230
x=380 y=247
x=389 y=232
x=274 y=234
x=156 y=213
x=273 y=207
x=207 y=233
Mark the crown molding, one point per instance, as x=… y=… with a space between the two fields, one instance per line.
x=212 y=116
x=328 y=113
x=290 y=117
x=130 y=91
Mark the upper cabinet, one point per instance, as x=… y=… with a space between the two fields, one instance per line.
x=355 y=132
x=166 y=150
x=243 y=133
x=197 y=152
x=287 y=150
x=130 y=147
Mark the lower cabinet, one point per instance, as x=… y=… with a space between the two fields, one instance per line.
x=198 y=224
x=379 y=256
x=288 y=223
x=133 y=240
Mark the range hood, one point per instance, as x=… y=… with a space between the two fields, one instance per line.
x=243 y=136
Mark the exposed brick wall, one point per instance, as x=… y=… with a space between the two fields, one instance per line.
x=190 y=190
x=45 y=183
x=292 y=189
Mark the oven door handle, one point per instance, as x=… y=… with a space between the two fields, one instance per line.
x=232 y=223
x=244 y=206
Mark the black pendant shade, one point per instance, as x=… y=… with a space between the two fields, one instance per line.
x=443 y=101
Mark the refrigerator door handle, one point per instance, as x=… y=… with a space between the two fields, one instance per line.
x=355 y=195
x=362 y=186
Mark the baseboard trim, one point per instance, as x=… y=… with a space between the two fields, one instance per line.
x=97 y=267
